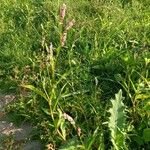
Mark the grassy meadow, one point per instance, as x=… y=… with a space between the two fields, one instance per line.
x=80 y=70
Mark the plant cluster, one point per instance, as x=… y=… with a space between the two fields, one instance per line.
x=66 y=67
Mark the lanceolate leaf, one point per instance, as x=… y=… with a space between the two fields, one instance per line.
x=36 y=90
x=117 y=122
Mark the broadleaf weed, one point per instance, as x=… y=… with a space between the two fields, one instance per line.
x=117 y=122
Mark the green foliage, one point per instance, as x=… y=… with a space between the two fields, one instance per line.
x=117 y=122
x=146 y=134
x=66 y=84
x=70 y=145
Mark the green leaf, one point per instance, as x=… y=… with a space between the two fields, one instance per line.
x=142 y=96
x=146 y=135
x=60 y=124
x=60 y=119
x=138 y=139
x=46 y=111
x=36 y=90
x=63 y=129
x=147 y=108
x=71 y=144
x=117 y=122
x=92 y=139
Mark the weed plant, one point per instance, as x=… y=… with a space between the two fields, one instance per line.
x=66 y=59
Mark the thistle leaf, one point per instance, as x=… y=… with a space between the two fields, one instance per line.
x=117 y=122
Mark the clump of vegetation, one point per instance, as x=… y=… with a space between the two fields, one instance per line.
x=66 y=65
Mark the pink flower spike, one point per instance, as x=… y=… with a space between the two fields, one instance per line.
x=63 y=38
x=69 y=118
x=70 y=24
x=62 y=12
x=79 y=131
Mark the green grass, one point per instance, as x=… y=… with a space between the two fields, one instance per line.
x=69 y=87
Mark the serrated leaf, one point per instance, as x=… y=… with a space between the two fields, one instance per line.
x=117 y=121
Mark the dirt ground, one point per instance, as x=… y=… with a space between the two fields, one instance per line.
x=15 y=137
